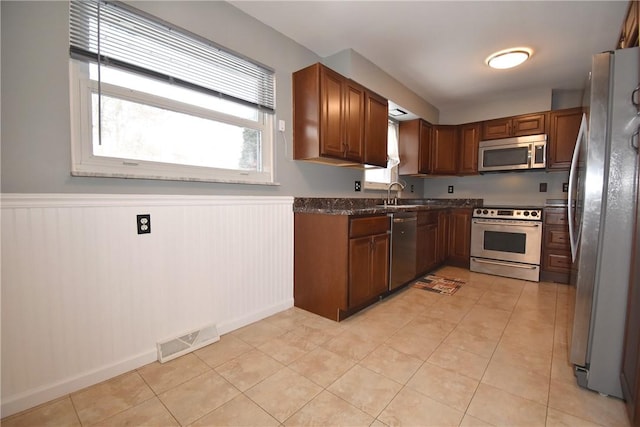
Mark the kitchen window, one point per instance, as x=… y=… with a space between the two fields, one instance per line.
x=153 y=101
x=380 y=178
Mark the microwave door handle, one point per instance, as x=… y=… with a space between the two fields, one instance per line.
x=573 y=238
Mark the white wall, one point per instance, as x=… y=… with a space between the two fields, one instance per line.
x=85 y=298
x=35 y=155
x=516 y=188
x=502 y=105
x=356 y=67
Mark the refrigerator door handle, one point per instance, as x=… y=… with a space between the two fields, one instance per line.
x=573 y=237
x=634 y=98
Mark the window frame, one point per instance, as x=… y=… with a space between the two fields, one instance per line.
x=81 y=87
x=395 y=169
x=85 y=163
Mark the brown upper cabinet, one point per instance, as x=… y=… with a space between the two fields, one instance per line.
x=376 y=118
x=563 y=131
x=629 y=31
x=336 y=120
x=427 y=149
x=506 y=127
x=444 y=150
x=414 y=147
x=468 y=149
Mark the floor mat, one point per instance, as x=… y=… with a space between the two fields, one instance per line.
x=439 y=284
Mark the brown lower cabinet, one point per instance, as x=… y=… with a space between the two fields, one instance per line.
x=341 y=262
x=427 y=241
x=556 y=254
x=459 y=237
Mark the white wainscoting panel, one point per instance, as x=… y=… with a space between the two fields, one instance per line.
x=85 y=298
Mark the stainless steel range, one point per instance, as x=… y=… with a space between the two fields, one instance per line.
x=506 y=241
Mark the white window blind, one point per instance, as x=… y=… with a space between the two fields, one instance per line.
x=120 y=36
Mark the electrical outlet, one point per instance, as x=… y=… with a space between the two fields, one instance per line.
x=565 y=187
x=357 y=186
x=450 y=189
x=412 y=188
x=281 y=125
x=543 y=187
x=144 y=223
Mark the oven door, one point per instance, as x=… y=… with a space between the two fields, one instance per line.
x=506 y=240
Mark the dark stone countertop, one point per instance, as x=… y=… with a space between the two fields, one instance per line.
x=362 y=206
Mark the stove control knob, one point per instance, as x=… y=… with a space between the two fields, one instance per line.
x=534 y=213
x=478 y=211
x=485 y=211
x=526 y=213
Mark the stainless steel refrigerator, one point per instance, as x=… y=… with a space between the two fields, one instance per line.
x=601 y=206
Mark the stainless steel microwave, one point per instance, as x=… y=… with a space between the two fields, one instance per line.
x=521 y=152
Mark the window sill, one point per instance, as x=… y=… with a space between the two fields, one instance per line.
x=169 y=178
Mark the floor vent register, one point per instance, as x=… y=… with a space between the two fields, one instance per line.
x=191 y=341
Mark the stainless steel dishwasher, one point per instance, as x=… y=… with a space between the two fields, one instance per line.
x=403 y=248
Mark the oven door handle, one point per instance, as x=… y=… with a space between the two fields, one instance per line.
x=484 y=261
x=506 y=224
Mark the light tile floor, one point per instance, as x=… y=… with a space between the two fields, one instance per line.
x=494 y=353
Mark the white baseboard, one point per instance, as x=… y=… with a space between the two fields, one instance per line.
x=31 y=398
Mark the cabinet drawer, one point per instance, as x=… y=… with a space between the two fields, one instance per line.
x=555 y=216
x=556 y=237
x=559 y=260
x=367 y=226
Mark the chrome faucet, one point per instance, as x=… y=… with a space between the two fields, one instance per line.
x=395 y=199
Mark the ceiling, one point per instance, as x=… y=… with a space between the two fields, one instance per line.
x=438 y=48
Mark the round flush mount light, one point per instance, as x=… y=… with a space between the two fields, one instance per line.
x=508 y=58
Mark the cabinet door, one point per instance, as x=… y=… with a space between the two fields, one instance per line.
x=354 y=122
x=359 y=270
x=443 y=236
x=460 y=237
x=431 y=252
x=496 y=129
x=563 y=131
x=379 y=277
x=409 y=146
x=530 y=124
x=368 y=268
x=375 y=129
x=445 y=150
x=332 y=96
x=427 y=244
x=468 y=158
x=425 y=138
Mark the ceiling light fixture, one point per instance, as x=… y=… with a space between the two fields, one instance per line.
x=509 y=58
